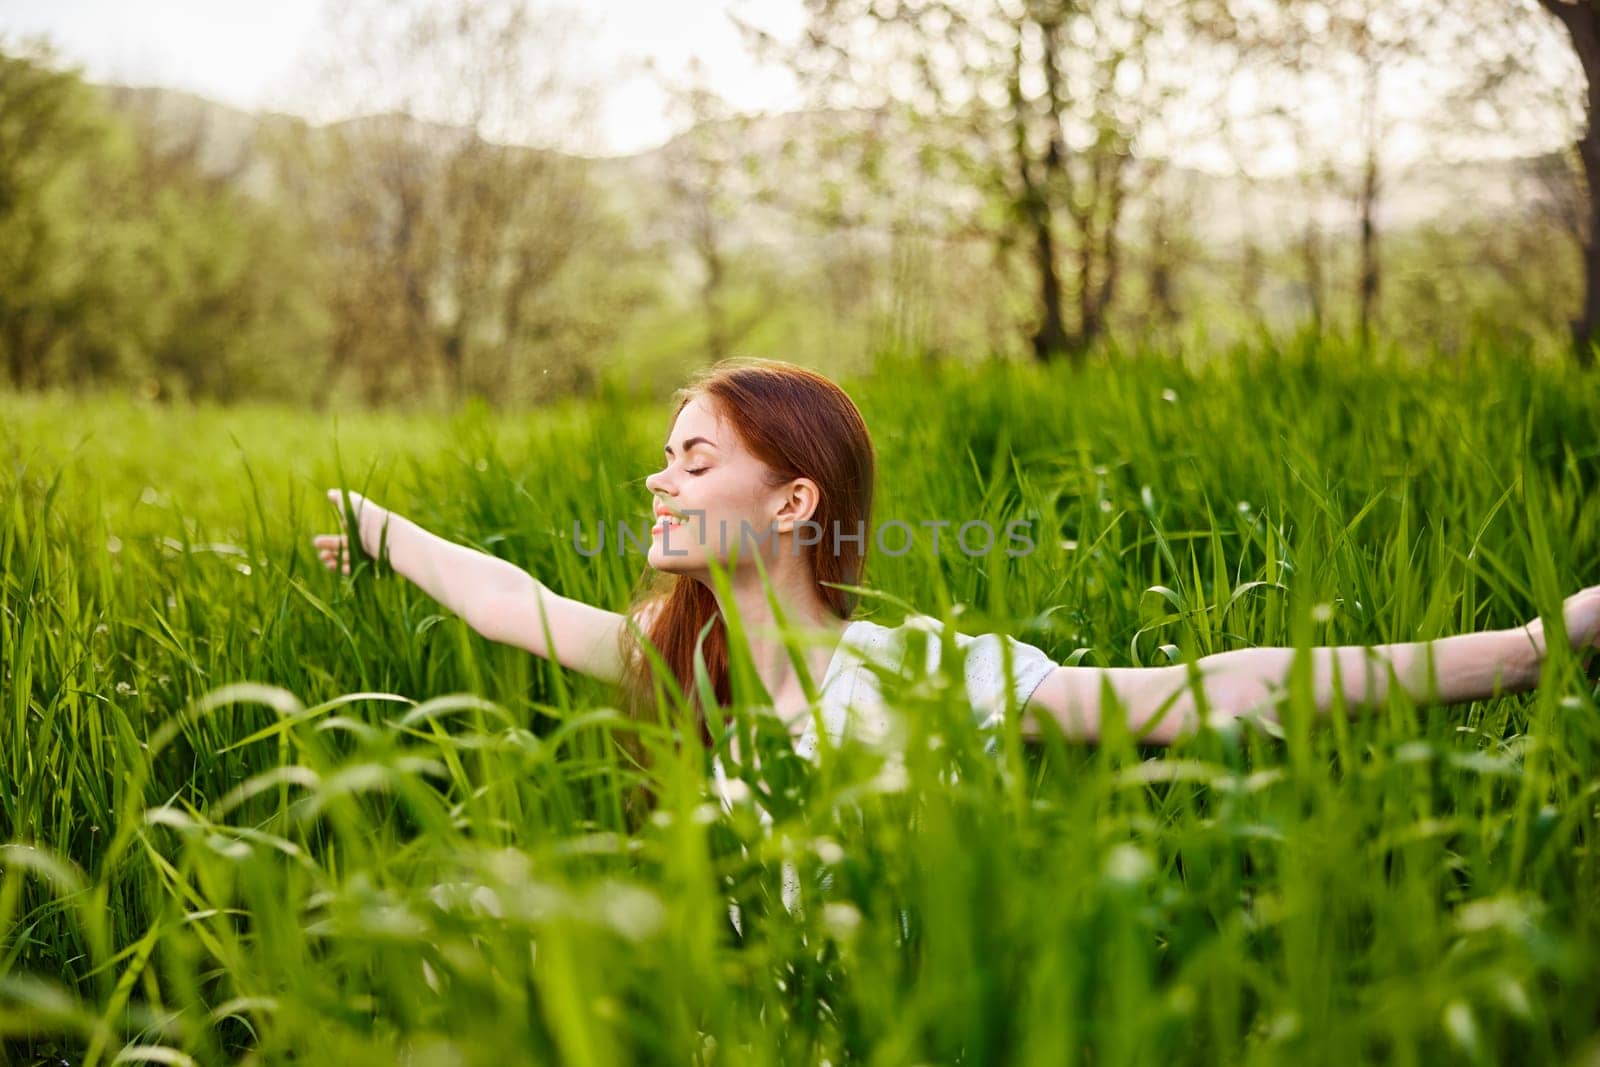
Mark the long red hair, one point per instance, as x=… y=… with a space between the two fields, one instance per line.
x=799 y=424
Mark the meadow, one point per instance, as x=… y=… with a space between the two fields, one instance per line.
x=259 y=812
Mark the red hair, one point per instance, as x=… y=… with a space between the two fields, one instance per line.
x=800 y=425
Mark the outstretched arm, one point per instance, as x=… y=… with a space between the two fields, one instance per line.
x=1451 y=670
x=496 y=598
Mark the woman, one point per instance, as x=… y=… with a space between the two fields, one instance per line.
x=772 y=462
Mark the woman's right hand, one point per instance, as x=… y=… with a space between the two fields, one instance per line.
x=334 y=549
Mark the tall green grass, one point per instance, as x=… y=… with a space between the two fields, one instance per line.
x=260 y=812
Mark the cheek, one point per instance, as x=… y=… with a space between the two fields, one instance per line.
x=718 y=500
x=739 y=508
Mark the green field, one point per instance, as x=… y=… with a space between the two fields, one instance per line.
x=261 y=812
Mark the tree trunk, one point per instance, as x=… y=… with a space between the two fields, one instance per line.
x=1368 y=283
x=17 y=352
x=1367 y=200
x=711 y=287
x=1586 y=330
x=1582 y=20
x=454 y=353
x=1251 y=275
x=1311 y=257
x=1050 y=338
x=1109 y=190
x=1163 y=267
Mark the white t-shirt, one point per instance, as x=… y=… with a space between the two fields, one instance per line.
x=851 y=697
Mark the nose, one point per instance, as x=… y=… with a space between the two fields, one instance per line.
x=656 y=483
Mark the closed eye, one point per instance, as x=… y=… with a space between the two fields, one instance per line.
x=699 y=470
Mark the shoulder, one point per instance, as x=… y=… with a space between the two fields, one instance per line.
x=989 y=661
x=897 y=646
x=876 y=641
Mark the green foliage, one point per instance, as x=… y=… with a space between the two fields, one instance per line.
x=123 y=262
x=53 y=146
x=259 y=812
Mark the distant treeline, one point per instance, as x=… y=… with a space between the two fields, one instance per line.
x=389 y=261
x=119 y=263
x=375 y=268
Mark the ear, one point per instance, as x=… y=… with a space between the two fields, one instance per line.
x=797 y=503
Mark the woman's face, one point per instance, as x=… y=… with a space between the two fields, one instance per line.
x=719 y=491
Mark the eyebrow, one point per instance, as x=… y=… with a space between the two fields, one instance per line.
x=690 y=443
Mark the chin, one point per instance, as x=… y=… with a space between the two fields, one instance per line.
x=675 y=563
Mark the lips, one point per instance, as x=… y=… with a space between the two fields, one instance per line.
x=666 y=517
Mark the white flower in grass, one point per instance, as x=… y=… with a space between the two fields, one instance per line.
x=470 y=896
x=1128 y=865
x=841 y=920
x=892 y=778
x=736 y=789
x=485 y=899
x=828 y=850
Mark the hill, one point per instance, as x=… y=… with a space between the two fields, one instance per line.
x=242 y=147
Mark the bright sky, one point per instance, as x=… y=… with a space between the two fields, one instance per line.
x=245 y=53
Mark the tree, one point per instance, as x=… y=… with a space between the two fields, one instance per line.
x=222 y=285
x=1036 y=106
x=1307 y=51
x=123 y=259
x=1581 y=18
x=52 y=142
x=457 y=225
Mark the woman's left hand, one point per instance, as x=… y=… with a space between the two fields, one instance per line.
x=1581 y=613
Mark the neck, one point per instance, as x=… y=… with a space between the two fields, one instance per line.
x=804 y=611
